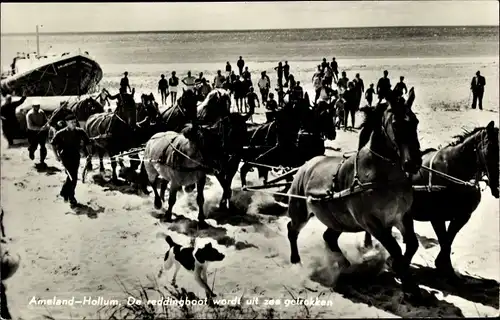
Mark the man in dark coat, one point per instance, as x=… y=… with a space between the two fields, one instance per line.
x=383 y=86
x=477 y=86
x=10 y=124
x=66 y=144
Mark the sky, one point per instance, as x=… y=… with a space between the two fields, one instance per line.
x=101 y=17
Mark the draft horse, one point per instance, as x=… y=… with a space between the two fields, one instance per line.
x=450 y=197
x=369 y=191
x=185 y=158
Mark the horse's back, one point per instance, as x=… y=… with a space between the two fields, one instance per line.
x=98 y=123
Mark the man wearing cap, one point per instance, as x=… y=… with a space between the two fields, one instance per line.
x=10 y=124
x=36 y=121
x=60 y=114
x=477 y=86
x=66 y=144
x=124 y=84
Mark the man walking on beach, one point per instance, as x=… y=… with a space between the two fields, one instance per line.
x=264 y=86
x=369 y=95
x=189 y=81
x=163 y=89
x=383 y=86
x=251 y=98
x=240 y=64
x=228 y=69
x=324 y=64
x=66 y=145
x=342 y=82
x=173 y=82
x=335 y=69
x=10 y=125
x=36 y=121
x=124 y=84
x=477 y=86
x=286 y=72
x=400 y=87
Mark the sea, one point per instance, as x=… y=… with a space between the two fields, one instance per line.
x=146 y=55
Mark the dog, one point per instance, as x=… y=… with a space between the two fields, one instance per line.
x=194 y=260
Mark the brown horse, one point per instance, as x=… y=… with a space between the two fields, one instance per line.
x=185 y=158
x=368 y=191
x=295 y=136
x=184 y=111
x=111 y=132
x=438 y=199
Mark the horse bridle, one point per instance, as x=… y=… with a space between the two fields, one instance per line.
x=393 y=147
x=481 y=161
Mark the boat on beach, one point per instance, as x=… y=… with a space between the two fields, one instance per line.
x=67 y=74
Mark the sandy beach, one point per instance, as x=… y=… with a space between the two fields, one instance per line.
x=67 y=253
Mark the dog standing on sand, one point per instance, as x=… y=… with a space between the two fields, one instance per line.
x=195 y=260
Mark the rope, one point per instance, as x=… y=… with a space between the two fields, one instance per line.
x=448 y=177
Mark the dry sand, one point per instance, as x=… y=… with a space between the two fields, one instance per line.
x=68 y=253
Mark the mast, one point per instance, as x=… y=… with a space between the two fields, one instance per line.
x=38 y=40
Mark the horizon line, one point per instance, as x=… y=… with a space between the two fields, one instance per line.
x=233 y=30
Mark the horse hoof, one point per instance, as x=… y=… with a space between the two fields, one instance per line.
x=158 y=203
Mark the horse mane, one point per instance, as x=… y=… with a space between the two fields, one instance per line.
x=191 y=132
x=205 y=105
x=460 y=138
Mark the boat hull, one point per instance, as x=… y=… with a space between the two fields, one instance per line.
x=69 y=76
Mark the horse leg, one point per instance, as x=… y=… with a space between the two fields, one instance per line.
x=443 y=260
x=297 y=210
x=158 y=199
x=331 y=238
x=409 y=237
x=200 y=200
x=226 y=191
x=263 y=174
x=114 y=177
x=101 y=160
x=172 y=198
x=400 y=265
x=134 y=161
x=245 y=168
x=163 y=188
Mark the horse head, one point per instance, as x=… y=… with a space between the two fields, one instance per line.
x=216 y=105
x=488 y=154
x=399 y=127
x=87 y=107
x=232 y=131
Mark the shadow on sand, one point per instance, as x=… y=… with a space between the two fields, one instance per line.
x=119 y=185
x=476 y=289
x=383 y=292
x=427 y=243
x=49 y=170
x=85 y=209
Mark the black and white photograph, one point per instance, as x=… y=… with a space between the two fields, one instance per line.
x=249 y=160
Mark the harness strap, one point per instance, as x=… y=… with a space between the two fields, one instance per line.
x=429 y=185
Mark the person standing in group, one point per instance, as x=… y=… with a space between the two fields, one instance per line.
x=219 y=80
x=286 y=72
x=342 y=82
x=319 y=72
x=477 y=86
x=335 y=69
x=296 y=93
x=317 y=86
x=272 y=106
x=247 y=77
x=205 y=88
x=292 y=83
x=328 y=75
x=10 y=125
x=239 y=93
x=281 y=96
x=228 y=69
x=240 y=64
x=264 y=86
x=369 y=95
x=124 y=83
x=173 y=83
x=66 y=145
x=163 y=89
x=324 y=64
x=350 y=97
x=197 y=82
x=251 y=97
x=36 y=121
x=359 y=88
x=189 y=81
x=400 y=87
x=383 y=86
x=279 y=71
